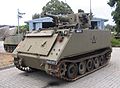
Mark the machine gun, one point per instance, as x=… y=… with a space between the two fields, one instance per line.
x=58 y=20
x=79 y=20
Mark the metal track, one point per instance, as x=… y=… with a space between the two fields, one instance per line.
x=78 y=59
x=10 y=48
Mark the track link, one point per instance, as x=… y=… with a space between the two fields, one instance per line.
x=10 y=48
x=103 y=55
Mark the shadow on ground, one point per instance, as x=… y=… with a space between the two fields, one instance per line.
x=50 y=81
x=44 y=77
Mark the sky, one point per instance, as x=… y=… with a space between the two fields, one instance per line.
x=8 y=9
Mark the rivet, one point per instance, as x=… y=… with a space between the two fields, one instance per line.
x=51 y=53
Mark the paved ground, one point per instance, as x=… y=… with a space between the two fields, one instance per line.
x=5 y=58
x=108 y=77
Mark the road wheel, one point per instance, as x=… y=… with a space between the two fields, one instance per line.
x=5 y=47
x=96 y=62
x=82 y=67
x=62 y=69
x=107 y=56
x=72 y=70
x=101 y=60
x=89 y=65
x=10 y=49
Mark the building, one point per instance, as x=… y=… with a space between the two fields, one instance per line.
x=36 y=24
x=98 y=23
x=46 y=22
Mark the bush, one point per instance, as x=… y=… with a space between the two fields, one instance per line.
x=115 y=42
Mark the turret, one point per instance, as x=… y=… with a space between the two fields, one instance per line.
x=80 y=20
x=58 y=19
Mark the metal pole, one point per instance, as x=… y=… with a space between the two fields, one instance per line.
x=90 y=15
x=18 y=21
x=90 y=7
x=65 y=1
x=90 y=11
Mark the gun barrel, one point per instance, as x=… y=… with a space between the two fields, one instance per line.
x=60 y=18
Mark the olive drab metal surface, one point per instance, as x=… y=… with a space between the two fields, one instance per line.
x=11 y=42
x=44 y=33
x=69 y=50
x=13 y=39
x=38 y=45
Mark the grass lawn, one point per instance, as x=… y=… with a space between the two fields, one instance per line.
x=115 y=42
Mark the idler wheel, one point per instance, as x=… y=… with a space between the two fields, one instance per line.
x=82 y=67
x=72 y=71
x=101 y=60
x=5 y=47
x=19 y=64
x=96 y=62
x=11 y=48
x=62 y=69
x=89 y=65
x=8 y=49
x=107 y=56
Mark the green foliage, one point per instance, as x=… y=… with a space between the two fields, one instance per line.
x=116 y=12
x=115 y=42
x=57 y=7
x=110 y=27
x=35 y=16
x=23 y=28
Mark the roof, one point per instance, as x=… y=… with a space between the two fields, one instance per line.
x=99 y=19
x=40 y=20
x=2 y=26
x=49 y=19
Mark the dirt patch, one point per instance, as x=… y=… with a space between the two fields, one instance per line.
x=5 y=59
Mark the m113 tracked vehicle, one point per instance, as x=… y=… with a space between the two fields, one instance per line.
x=69 y=50
x=12 y=39
x=11 y=42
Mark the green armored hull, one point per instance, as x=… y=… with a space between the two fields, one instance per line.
x=65 y=51
x=11 y=42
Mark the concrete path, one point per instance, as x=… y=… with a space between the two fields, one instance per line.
x=107 y=77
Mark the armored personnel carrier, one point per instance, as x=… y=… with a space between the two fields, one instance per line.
x=69 y=50
x=11 y=42
x=12 y=39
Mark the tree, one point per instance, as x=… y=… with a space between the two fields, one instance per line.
x=23 y=28
x=110 y=27
x=116 y=12
x=57 y=7
x=35 y=16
